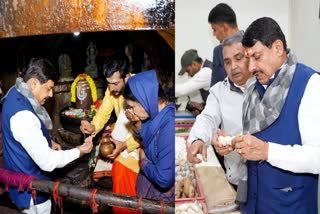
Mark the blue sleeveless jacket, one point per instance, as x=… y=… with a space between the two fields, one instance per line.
x=15 y=158
x=271 y=189
x=218 y=71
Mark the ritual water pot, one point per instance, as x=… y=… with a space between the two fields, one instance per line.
x=106 y=147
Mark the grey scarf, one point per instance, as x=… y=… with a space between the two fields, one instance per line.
x=42 y=113
x=258 y=114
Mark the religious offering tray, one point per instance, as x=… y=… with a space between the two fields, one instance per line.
x=187 y=185
x=70 y=119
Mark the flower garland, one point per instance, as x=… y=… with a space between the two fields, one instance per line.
x=92 y=85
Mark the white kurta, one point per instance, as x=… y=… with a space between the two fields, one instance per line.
x=26 y=129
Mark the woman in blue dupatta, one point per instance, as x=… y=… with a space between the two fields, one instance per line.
x=152 y=114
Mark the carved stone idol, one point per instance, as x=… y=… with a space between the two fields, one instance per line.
x=92 y=68
x=128 y=51
x=65 y=68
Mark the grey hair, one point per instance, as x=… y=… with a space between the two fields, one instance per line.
x=234 y=38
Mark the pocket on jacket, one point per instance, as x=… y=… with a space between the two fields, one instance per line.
x=288 y=194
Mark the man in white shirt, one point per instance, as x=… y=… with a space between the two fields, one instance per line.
x=200 y=77
x=281 y=119
x=224 y=106
x=27 y=146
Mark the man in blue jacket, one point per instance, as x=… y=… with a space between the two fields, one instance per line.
x=27 y=146
x=281 y=121
x=223 y=22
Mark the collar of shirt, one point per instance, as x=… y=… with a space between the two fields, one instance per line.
x=235 y=88
x=241 y=88
x=262 y=88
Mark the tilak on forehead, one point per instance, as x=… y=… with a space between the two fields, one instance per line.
x=113 y=80
x=248 y=52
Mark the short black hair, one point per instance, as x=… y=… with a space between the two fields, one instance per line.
x=222 y=13
x=114 y=64
x=40 y=69
x=199 y=60
x=265 y=30
x=127 y=93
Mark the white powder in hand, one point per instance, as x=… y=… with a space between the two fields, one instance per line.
x=225 y=140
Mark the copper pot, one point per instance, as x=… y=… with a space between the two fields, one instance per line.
x=106 y=147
